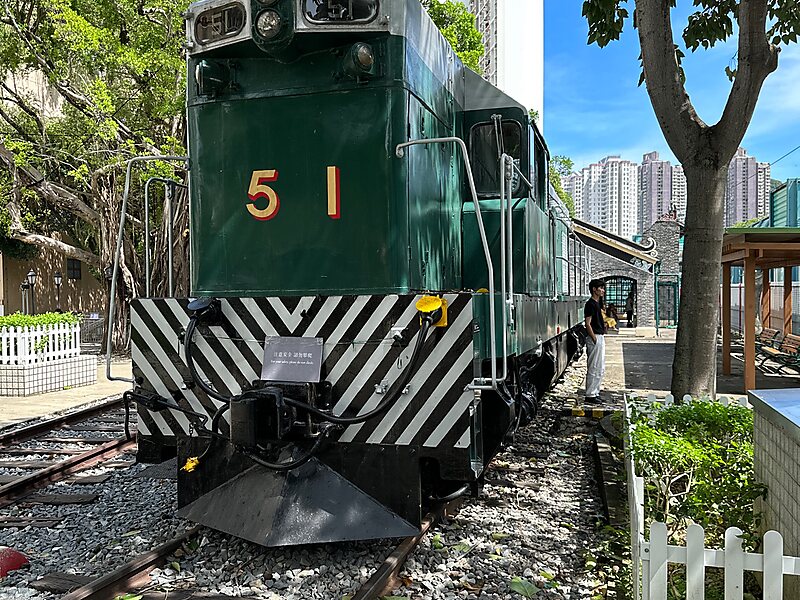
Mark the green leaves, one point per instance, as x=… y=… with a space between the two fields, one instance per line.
x=697 y=461
x=457 y=25
x=523 y=587
x=20 y=320
x=606 y=20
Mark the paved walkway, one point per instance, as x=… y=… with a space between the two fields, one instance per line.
x=645 y=365
x=14 y=409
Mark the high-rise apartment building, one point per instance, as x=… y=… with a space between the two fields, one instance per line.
x=679 y=192
x=606 y=195
x=513 y=36
x=573 y=185
x=747 y=189
x=655 y=190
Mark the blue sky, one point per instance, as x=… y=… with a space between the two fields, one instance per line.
x=593 y=107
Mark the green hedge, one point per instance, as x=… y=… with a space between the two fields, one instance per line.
x=20 y=320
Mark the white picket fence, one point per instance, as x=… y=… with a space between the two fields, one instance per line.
x=41 y=343
x=651 y=558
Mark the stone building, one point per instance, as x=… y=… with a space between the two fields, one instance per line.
x=650 y=269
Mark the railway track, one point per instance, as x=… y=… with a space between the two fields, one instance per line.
x=36 y=455
x=134 y=574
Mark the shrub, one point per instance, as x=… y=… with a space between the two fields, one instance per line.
x=697 y=461
x=20 y=320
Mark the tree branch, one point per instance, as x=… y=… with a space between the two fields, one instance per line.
x=677 y=117
x=73 y=97
x=23 y=104
x=54 y=193
x=17 y=231
x=757 y=59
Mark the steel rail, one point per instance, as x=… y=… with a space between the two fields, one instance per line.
x=11 y=492
x=132 y=574
x=36 y=429
x=376 y=586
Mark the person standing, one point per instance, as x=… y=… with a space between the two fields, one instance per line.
x=595 y=341
x=629 y=308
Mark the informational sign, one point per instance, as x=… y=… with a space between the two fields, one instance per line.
x=292 y=359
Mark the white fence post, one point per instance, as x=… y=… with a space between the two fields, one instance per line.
x=734 y=564
x=657 y=578
x=773 y=566
x=695 y=562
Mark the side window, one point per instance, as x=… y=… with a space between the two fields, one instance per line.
x=73 y=268
x=484 y=156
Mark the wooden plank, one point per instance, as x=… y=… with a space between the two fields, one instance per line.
x=734 y=564
x=59 y=499
x=787 y=300
x=112 y=428
x=726 y=318
x=89 y=479
x=9 y=522
x=749 y=323
x=695 y=563
x=76 y=440
x=766 y=299
x=26 y=464
x=657 y=580
x=734 y=256
x=59 y=583
x=773 y=566
x=38 y=451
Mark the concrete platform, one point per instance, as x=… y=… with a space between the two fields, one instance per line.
x=15 y=409
x=644 y=364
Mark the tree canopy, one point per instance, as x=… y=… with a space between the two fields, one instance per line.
x=457 y=25
x=562 y=166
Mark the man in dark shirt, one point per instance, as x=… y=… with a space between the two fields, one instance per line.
x=595 y=340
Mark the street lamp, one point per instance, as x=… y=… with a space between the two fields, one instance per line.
x=23 y=290
x=57 y=279
x=32 y=282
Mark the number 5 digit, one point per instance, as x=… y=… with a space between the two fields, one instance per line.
x=258 y=190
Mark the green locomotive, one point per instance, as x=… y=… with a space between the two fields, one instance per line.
x=386 y=287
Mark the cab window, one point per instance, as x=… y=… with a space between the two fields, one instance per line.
x=484 y=156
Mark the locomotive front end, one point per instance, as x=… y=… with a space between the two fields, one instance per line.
x=317 y=385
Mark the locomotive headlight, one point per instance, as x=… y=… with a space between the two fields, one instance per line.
x=268 y=24
x=364 y=56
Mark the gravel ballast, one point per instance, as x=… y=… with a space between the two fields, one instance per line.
x=535 y=525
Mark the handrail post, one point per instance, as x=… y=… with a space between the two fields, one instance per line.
x=120 y=233
x=400 y=152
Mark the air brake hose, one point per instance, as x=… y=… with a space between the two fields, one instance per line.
x=187 y=347
x=288 y=466
x=427 y=321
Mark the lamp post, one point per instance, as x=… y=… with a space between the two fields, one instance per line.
x=23 y=290
x=57 y=280
x=32 y=282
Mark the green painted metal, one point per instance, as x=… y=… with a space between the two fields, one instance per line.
x=400 y=226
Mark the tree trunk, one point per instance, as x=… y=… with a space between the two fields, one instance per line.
x=694 y=366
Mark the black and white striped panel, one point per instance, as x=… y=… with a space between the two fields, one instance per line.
x=361 y=360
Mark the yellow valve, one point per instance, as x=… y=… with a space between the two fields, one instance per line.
x=430 y=304
x=482 y=291
x=191 y=464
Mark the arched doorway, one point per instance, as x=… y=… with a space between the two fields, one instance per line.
x=618 y=289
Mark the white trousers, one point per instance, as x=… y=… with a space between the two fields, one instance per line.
x=595 y=365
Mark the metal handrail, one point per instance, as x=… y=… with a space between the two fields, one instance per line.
x=400 y=152
x=112 y=299
x=168 y=184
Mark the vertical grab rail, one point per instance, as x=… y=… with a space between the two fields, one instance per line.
x=168 y=184
x=123 y=210
x=400 y=153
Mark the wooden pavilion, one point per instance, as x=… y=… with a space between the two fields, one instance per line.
x=754 y=248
